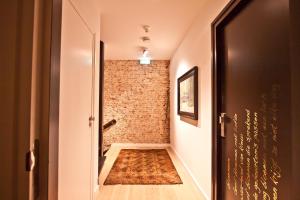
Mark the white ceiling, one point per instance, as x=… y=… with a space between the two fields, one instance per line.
x=122 y=20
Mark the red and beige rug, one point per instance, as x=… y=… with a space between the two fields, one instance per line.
x=143 y=167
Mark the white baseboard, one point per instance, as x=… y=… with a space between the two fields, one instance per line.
x=190 y=173
x=140 y=145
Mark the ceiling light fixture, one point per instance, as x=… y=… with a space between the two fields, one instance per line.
x=145 y=52
x=146 y=28
x=145 y=39
x=145 y=59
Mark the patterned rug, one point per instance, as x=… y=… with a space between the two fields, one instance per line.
x=142 y=167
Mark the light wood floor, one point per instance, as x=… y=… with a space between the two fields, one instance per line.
x=185 y=191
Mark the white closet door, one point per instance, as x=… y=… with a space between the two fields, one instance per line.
x=75 y=107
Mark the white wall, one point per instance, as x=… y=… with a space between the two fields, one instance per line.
x=193 y=144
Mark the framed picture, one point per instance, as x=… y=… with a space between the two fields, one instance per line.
x=187 y=89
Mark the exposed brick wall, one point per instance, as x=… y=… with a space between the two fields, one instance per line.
x=137 y=96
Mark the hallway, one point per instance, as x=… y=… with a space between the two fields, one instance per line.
x=187 y=190
x=150 y=99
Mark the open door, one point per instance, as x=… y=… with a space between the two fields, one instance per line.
x=101 y=157
x=15 y=101
x=22 y=63
x=253 y=122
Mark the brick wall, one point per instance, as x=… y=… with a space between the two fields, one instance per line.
x=137 y=96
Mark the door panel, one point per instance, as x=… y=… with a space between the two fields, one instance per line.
x=253 y=58
x=75 y=107
x=7 y=102
x=16 y=57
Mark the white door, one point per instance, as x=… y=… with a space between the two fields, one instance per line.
x=76 y=85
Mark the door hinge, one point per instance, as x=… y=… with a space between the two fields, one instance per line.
x=30 y=161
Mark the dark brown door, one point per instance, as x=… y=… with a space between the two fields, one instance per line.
x=253 y=101
x=101 y=157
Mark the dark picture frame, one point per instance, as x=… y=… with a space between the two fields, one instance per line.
x=191 y=75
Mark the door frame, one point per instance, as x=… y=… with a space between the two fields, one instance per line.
x=53 y=92
x=230 y=10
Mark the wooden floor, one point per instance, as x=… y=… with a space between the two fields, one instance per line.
x=185 y=191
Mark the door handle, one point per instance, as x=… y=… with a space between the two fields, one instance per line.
x=91 y=119
x=30 y=161
x=222 y=123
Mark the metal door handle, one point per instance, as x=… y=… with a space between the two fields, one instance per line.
x=91 y=119
x=30 y=161
x=222 y=123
